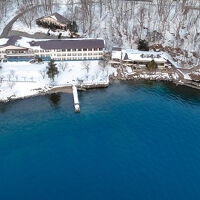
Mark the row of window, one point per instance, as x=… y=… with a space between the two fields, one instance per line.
x=69 y=50
x=13 y=51
x=74 y=54
x=56 y=50
x=77 y=58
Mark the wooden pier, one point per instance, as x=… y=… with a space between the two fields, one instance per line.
x=76 y=101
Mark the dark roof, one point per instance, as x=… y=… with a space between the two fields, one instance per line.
x=69 y=44
x=126 y=57
x=141 y=0
x=116 y=49
x=58 y=17
x=12 y=40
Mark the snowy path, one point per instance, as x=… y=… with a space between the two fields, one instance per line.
x=8 y=27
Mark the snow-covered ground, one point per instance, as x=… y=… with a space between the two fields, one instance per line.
x=19 y=26
x=3 y=41
x=21 y=79
x=133 y=74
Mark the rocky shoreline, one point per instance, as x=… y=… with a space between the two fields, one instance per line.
x=68 y=89
x=178 y=76
x=56 y=89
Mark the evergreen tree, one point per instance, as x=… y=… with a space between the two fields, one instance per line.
x=52 y=70
x=152 y=66
x=39 y=60
x=73 y=27
x=59 y=36
x=143 y=45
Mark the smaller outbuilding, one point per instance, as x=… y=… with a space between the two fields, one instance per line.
x=57 y=21
x=15 y=53
x=137 y=59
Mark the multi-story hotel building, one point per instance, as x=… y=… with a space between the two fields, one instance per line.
x=59 y=50
x=74 y=49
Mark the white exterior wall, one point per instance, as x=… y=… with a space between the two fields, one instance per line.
x=2 y=54
x=11 y=50
x=59 y=54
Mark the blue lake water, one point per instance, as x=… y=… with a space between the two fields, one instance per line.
x=133 y=140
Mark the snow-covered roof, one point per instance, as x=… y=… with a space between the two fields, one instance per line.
x=116 y=54
x=12 y=47
x=56 y=16
x=140 y=56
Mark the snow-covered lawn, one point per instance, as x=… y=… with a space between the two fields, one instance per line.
x=22 y=71
x=20 y=79
x=84 y=71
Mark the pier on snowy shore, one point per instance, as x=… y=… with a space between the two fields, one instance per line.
x=76 y=101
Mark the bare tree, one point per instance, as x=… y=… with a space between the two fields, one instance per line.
x=63 y=66
x=105 y=60
x=1 y=78
x=9 y=77
x=29 y=18
x=86 y=65
x=43 y=73
x=11 y=84
x=12 y=73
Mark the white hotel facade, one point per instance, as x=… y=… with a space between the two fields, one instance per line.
x=71 y=54
x=59 y=50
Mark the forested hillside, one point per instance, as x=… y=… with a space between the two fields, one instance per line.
x=173 y=26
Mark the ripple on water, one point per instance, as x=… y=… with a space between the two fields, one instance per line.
x=133 y=140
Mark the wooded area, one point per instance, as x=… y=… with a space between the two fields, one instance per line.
x=122 y=23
